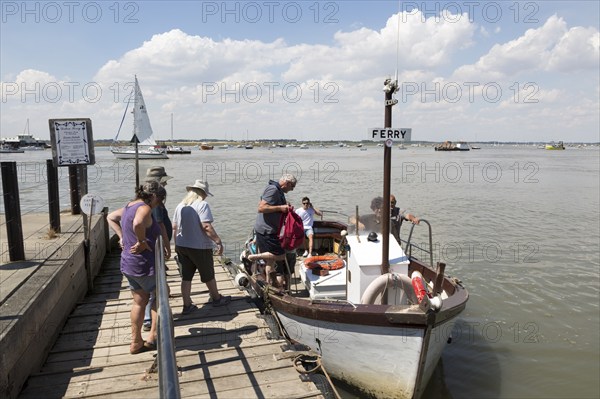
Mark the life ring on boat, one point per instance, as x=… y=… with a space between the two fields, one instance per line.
x=326 y=262
x=378 y=286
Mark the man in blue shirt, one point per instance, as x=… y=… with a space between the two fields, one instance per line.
x=271 y=207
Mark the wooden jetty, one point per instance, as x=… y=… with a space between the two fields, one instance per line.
x=222 y=352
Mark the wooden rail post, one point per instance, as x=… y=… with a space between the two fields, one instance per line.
x=106 y=233
x=53 y=197
x=12 y=211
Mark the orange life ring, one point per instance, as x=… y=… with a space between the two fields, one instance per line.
x=326 y=262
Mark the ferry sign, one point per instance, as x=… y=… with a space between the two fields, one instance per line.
x=387 y=133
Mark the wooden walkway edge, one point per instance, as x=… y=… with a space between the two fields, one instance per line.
x=224 y=352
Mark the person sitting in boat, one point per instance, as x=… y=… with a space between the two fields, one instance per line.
x=307 y=213
x=397 y=217
x=372 y=222
x=271 y=207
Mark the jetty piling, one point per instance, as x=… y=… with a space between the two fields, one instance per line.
x=53 y=196
x=78 y=186
x=12 y=207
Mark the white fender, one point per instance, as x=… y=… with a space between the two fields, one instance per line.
x=241 y=279
x=378 y=285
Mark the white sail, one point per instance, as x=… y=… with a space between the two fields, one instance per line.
x=141 y=129
x=141 y=122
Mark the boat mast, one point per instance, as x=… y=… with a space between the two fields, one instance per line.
x=390 y=87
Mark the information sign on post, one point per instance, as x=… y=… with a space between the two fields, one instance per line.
x=72 y=141
x=388 y=133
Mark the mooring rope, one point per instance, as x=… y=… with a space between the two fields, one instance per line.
x=303 y=358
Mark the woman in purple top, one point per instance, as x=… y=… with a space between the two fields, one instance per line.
x=138 y=231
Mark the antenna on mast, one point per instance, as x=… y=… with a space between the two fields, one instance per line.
x=398 y=46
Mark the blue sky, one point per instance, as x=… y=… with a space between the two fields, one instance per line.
x=524 y=71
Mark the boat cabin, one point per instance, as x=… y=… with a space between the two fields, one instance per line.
x=359 y=270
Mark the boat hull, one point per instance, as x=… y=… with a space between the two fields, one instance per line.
x=141 y=155
x=383 y=362
x=178 y=151
x=387 y=351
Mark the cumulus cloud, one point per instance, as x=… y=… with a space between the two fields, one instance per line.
x=221 y=87
x=551 y=47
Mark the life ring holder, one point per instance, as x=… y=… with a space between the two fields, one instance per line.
x=325 y=262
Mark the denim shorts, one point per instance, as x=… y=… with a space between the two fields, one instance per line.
x=144 y=283
x=309 y=231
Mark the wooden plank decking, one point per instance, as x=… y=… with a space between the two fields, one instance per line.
x=223 y=352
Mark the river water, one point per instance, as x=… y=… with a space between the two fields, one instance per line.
x=518 y=225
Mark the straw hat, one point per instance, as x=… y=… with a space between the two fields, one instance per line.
x=157 y=173
x=202 y=185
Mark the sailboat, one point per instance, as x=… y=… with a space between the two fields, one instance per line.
x=173 y=149
x=142 y=131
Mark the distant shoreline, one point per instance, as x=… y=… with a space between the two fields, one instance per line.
x=266 y=142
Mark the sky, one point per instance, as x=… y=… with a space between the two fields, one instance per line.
x=306 y=70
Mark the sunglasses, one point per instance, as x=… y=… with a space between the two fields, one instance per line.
x=305 y=203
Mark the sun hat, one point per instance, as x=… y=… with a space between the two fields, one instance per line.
x=202 y=185
x=157 y=173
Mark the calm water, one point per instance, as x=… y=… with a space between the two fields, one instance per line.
x=519 y=226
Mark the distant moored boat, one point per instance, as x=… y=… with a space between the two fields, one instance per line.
x=555 y=146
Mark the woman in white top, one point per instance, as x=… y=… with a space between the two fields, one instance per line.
x=307 y=213
x=195 y=237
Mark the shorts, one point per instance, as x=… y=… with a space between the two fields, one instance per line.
x=144 y=283
x=309 y=231
x=193 y=259
x=269 y=243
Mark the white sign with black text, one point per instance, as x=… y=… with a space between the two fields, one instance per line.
x=388 y=133
x=72 y=141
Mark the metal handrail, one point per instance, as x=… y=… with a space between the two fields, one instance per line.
x=324 y=211
x=168 y=376
x=409 y=245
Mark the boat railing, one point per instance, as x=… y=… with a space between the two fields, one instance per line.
x=168 y=377
x=408 y=249
x=324 y=211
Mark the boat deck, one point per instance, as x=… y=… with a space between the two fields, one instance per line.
x=224 y=352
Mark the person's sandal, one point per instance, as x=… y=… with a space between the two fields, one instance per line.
x=146 y=347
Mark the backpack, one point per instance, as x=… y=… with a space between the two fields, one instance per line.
x=291 y=230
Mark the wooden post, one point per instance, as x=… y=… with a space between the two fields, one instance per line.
x=74 y=189
x=82 y=176
x=439 y=278
x=53 y=196
x=12 y=211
